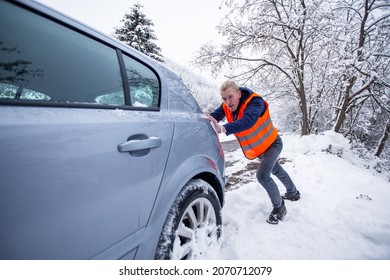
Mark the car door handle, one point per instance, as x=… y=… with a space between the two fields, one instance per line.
x=139 y=144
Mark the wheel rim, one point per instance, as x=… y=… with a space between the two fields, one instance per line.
x=196 y=231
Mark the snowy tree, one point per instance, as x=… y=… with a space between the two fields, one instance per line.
x=362 y=71
x=137 y=32
x=364 y=57
x=324 y=63
x=274 y=44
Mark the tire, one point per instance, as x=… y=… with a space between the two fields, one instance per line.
x=193 y=226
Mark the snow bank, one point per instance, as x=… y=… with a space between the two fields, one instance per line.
x=342 y=214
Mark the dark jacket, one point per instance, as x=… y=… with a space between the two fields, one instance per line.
x=253 y=111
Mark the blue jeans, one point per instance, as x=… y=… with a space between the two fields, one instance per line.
x=269 y=164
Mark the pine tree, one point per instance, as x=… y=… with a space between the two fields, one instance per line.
x=137 y=32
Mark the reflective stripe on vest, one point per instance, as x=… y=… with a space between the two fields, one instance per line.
x=255 y=140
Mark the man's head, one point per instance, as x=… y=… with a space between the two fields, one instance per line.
x=231 y=95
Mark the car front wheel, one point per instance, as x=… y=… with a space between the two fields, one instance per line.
x=193 y=226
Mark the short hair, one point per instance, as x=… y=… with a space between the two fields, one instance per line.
x=227 y=84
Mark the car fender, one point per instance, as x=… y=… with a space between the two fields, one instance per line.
x=170 y=188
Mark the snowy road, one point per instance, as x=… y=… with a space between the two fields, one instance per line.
x=230 y=145
x=342 y=214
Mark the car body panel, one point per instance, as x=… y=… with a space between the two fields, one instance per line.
x=185 y=166
x=71 y=156
x=67 y=191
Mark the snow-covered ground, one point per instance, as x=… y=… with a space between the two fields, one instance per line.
x=343 y=212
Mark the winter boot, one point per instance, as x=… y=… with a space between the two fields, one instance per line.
x=292 y=197
x=277 y=214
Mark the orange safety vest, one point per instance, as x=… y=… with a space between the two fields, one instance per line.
x=255 y=140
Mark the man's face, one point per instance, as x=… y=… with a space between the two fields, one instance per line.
x=231 y=98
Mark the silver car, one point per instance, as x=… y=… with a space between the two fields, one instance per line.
x=104 y=153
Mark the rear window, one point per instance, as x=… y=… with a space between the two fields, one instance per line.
x=143 y=83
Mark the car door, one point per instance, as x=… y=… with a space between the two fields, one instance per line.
x=66 y=189
x=80 y=164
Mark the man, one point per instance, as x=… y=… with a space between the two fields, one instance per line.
x=249 y=120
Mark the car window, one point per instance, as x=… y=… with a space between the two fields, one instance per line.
x=9 y=91
x=41 y=60
x=143 y=83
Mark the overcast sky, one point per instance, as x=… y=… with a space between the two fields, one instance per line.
x=181 y=27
